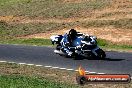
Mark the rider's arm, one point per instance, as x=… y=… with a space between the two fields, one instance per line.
x=92 y=40
x=64 y=41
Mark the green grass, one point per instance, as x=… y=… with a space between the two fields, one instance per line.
x=33 y=41
x=49 y=8
x=102 y=42
x=14 y=81
x=23 y=76
x=13 y=75
x=4 y=3
x=47 y=42
x=109 y=45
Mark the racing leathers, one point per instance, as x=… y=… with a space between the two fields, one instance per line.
x=66 y=44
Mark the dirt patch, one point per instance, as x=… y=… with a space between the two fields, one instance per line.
x=109 y=33
x=11 y=18
x=74 y=1
x=24 y=20
x=123 y=36
x=119 y=9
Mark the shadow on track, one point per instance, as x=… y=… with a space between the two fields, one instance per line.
x=106 y=59
x=109 y=59
x=94 y=58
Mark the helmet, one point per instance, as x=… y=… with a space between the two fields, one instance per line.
x=72 y=32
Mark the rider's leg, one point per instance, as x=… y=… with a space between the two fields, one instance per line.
x=68 y=52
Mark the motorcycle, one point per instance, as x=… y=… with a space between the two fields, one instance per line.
x=83 y=46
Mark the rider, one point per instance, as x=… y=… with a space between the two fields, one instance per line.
x=68 y=40
x=71 y=36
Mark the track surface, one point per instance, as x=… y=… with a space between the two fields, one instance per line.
x=118 y=62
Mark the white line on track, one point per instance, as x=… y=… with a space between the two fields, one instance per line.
x=22 y=63
x=92 y=72
x=12 y=62
x=87 y=71
x=100 y=73
x=39 y=65
x=76 y=70
x=3 y=61
x=30 y=64
x=51 y=67
x=70 y=69
x=47 y=66
x=62 y=68
x=55 y=67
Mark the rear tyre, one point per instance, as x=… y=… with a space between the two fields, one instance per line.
x=91 y=55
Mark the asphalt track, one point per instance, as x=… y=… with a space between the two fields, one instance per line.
x=117 y=62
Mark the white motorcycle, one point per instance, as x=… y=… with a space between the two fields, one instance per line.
x=83 y=45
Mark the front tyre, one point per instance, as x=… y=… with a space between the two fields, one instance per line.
x=58 y=47
x=101 y=54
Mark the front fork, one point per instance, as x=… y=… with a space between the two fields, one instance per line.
x=94 y=50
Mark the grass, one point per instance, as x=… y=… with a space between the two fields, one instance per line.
x=9 y=32
x=17 y=30
x=109 y=45
x=23 y=76
x=47 y=42
x=49 y=8
x=4 y=3
x=121 y=23
x=14 y=81
x=55 y=75
x=112 y=14
x=33 y=41
x=15 y=76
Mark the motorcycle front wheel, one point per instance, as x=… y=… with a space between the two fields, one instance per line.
x=101 y=54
